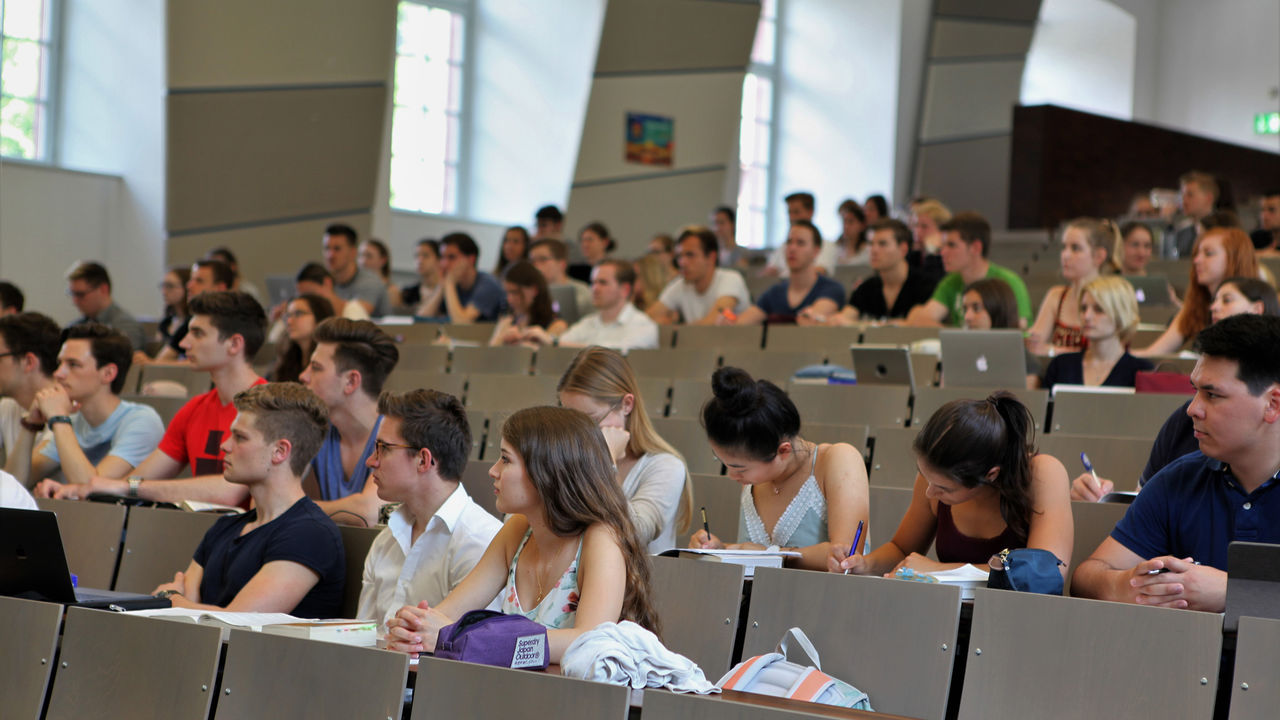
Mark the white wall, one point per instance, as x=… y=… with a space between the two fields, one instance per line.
x=1082 y=56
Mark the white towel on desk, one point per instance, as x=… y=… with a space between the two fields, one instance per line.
x=625 y=653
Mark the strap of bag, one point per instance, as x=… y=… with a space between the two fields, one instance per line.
x=811 y=684
x=805 y=646
x=742 y=676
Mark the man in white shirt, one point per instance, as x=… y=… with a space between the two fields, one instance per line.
x=29 y=345
x=617 y=323
x=703 y=292
x=438 y=533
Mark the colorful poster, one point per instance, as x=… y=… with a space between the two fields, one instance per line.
x=650 y=139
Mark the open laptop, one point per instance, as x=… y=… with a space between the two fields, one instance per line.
x=33 y=565
x=280 y=288
x=983 y=358
x=564 y=301
x=1150 y=289
x=883 y=365
x=1253 y=582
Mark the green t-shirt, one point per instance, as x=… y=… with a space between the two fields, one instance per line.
x=951 y=288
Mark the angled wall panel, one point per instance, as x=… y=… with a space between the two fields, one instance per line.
x=676 y=35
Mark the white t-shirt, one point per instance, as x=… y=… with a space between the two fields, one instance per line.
x=632 y=329
x=13 y=495
x=826 y=259
x=692 y=305
x=654 y=488
x=11 y=425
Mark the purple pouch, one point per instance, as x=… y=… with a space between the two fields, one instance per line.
x=492 y=638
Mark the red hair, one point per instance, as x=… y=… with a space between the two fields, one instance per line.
x=1241 y=262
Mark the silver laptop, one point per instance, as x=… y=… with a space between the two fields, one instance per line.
x=883 y=365
x=1253 y=582
x=280 y=289
x=1150 y=289
x=983 y=358
x=564 y=301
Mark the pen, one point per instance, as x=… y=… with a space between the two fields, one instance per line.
x=705 y=527
x=1097 y=484
x=857 y=538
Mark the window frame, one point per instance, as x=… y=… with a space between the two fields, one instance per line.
x=769 y=72
x=47 y=132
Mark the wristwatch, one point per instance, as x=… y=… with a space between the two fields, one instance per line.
x=59 y=419
x=135 y=482
x=30 y=426
x=164 y=594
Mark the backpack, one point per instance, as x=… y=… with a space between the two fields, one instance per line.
x=774 y=674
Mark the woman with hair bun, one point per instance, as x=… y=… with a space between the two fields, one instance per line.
x=981 y=488
x=796 y=495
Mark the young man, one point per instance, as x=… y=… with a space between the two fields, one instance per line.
x=1170 y=548
x=1199 y=195
x=616 y=323
x=551 y=258
x=966 y=239
x=438 y=533
x=724 y=220
x=804 y=289
x=315 y=280
x=11 y=299
x=800 y=208
x=94 y=431
x=896 y=287
x=703 y=292
x=1266 y=239
x=470 y=295
x=351 y=361
x=89 y=286
x=206 y=275
x=29 y=344
x=226 y=331
x=350 y=281
x=548 y=223
x=425 y=298
x=285 y=555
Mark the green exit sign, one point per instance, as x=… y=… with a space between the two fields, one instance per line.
x=1266 y=123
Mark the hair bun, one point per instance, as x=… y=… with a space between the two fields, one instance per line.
x=736 y=390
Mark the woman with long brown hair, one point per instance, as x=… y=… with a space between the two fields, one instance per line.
x=529 y=301
x=567 y=556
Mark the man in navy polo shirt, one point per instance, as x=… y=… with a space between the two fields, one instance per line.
x=1170 y=549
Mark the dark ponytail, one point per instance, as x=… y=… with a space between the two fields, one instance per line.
x=755 y=416
x=966 y=438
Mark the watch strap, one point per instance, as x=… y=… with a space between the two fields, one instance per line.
x=135 y=482
x=59 y=419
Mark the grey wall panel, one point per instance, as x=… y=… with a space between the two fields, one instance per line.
x=269 y=249
x=968 y=175
x=705 y=109
x=239 y=43
x=962 y=38
x=970 y=98
x=237 y=157
x=647 y=35
x=1012 y=10
x=637 y=209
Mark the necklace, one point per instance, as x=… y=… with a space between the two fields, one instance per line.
x=777 y=490
x=546 y=568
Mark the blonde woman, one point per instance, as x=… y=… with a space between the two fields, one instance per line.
x=652 y=474
x=1086 y=253
x=1109 y=319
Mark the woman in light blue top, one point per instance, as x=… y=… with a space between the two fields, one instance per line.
x=796 y=495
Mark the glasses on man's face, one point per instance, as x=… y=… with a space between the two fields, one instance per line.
x=295 y=314
x=381 y=448
x=7 y=354
x=79 y=294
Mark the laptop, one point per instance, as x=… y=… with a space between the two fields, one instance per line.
x=883 y=365
x=1253 y=582
x=1150 y=289
x=33 y=566
x=564 y=301
x=983 y=358
x=280 y=289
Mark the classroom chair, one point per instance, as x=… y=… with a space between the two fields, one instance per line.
x=448 y=689
x=722 y=499
x=1117 y=415
x=514 y=360
x=1118 y=459
x=655 y=391
x=877 y=405
x=733 y=705
x=30 y=632
x=470 y=334
x=195 y=381
x=356 y=542
x=1031 y=655
x=688 y=396
x=511 y=392
x=91 y=533
x=674 y=363
x=553 y=360
x=493 y=435
x=477 y=423
x=897 y=335
x=166 y=407
x=720 y=337
x=929 y=399
x=698 y=602
x=423 y=357
x=687 y=436
x=1255 y=686
x=1092 y=522
x=855 y=435
x=116 y=665
x=893 y=461
x=403 y=380
x=831 y=342
x=478 y=484
x=421 y=333
x=776 y=366
x=158 y=543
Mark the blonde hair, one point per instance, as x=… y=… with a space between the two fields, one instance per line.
x=651 y=272
x=1116 y=297
x=605 y=376
x=1101 y=234
x=933 y=209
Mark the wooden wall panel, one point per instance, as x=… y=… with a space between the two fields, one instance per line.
x=637 y=209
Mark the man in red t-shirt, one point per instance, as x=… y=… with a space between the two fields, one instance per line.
x=227 y=329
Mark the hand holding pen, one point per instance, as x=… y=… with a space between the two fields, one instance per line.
x=1088 y=487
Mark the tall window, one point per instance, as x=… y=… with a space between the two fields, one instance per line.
x=26 y=61
x=755 y=138
x=427 y=119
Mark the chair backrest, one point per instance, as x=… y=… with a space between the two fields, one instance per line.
x=892 y=639
x=697 y=363
x=158 y=543
x=416 y=333
x=776 y=366
x=166 y=407
x=477 y=423
x=1093 y=522
x=91 y=534
x=893 y=462
x=1119 y=459
x=855 y=435
x=476 y=481
x=655 y=391
x=478 y=333
x=720 y=337
x=356 y=542
x=688 y=396
x=490 y=360
x=1113 y=415
x=929 y=399
x=687 y=436
x=448 y=689
x=418 y=357
x=30 y=631
x=553 y=360
x=1081 y=658
x=698 y=603
x=195 y=381
x=897 y=334
x=1255 y=688
x=115 y=665
x=722 y=499
x=831 y=342
x=880 y=405
x=888 y=506
x=401 y=380
x=511 y=392
x=324 y=679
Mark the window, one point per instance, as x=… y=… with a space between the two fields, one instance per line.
x=755 y=136
x=26 y=61
x=426 y=121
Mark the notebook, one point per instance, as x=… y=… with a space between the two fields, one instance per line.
x=883 y=365
x=983 y=358
x=1253 y=582
x=33 y=565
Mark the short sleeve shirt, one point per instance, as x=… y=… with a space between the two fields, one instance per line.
x=486 y=294
x=1174 y=440
x=130 y=433
x=692 y=305
x=631 y=330
x=775 y=305
x=327 y=465
x=868 y=298
x=196 y=433
x=951 y=289
x=367 y=286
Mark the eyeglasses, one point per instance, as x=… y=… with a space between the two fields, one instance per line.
x=295 y=314
x=8 y=354
x=80 y=294
x=381 y=448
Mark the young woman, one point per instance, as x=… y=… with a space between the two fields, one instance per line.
x=875 y=208
x=989 y=304
x=515 y=247
x=424 y=298
x=173 y=290
x=567 y=556
x=851 y=246
x=375 y=256
x=651 y=278
x=980 y=488
x=301 y=316
x=651 y=473
x=530 y=304
x=1218 y=254
x=1134 y=248
x=1240 y=295
x=1109 y=313
x=596 y=244
x=796 y=495
x=1086 y=246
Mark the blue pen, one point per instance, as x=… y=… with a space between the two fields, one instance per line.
x=1097 y=484
x=857 y=538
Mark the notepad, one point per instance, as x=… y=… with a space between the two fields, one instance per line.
x=361 y=633
x=748 y=559
x=966 y=577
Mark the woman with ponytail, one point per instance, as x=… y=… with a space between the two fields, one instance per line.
x=1086 y=254
x=981 y=488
